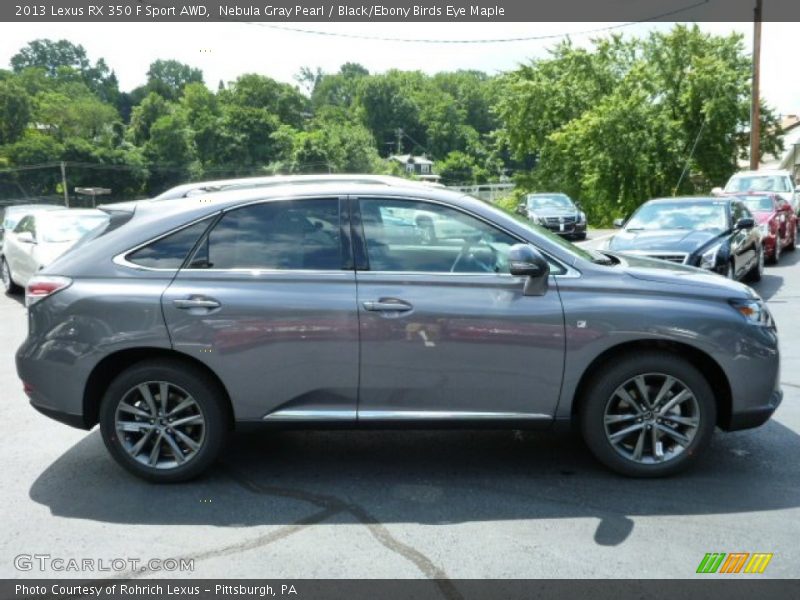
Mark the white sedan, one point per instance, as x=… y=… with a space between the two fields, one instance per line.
x=40 y=238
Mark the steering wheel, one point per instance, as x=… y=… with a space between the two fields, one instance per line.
x=465 y=255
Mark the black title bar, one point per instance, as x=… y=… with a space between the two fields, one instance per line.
x=298 y=11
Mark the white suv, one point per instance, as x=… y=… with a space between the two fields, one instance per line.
x=779 y=182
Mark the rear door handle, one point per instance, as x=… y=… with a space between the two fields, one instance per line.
x=386 y=305
x=196 y=302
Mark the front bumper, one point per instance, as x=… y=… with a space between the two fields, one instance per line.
x=567 y=229
x=757 y=416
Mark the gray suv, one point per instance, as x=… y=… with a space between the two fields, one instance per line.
x=368 y=305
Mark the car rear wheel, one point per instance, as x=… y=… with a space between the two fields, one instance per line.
x=648 y=415
x=9 y=287
x=757 y=272
x=792 y=244
x=164 y=421
x=776 y=253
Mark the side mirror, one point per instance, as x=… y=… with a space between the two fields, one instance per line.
x=745 y=223
x=25 y=237
x=619 y=223
x=717 y=191
x=526 y=261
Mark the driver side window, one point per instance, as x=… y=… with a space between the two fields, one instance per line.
x=423 y=237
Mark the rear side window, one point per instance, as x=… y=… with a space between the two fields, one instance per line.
x=170 y=251
x=280 y=235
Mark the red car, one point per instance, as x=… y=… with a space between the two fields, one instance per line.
x=775 y=219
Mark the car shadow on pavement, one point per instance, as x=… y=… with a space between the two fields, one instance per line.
x=19 y=298
x=772 y=281
x=426 y=477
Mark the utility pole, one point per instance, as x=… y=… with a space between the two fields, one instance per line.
x=755 y=106
x=399 y=133
x=64 y=183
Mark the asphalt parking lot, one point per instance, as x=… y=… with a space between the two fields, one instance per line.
x=405 y=504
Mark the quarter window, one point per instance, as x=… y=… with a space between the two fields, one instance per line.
x=415 y=236
x=280 y=235
x=170 y=251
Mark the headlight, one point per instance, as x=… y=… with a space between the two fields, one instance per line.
x=581 y=217
x=753 y=311
x=709 y=258
x=763 y=229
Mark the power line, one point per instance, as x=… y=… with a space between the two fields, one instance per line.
x=531 y=38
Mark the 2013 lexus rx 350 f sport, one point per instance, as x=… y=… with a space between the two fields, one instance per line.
x=374 y=304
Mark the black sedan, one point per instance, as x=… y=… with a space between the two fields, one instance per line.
x=717 y=234
x=557 y=212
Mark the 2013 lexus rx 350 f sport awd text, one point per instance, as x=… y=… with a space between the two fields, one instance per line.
x=370 y=304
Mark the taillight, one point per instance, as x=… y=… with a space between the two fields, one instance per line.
x=42 y=286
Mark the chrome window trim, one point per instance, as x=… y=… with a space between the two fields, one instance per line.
x=122 y=260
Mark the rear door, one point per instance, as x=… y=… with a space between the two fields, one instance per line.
x=446 y=332
x=268 y=301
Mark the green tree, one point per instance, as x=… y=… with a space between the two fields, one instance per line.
x=57 y=59
x=167 y=78
x=152 y=108
x=259 y=92
x=15 y=111
x=170 y=152
x=615 y=125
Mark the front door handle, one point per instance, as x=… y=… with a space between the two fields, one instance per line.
x=387 y=305
x=196 y=302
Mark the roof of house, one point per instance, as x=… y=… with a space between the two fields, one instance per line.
x=410 y=158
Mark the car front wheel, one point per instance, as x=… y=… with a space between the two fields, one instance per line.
x=9 y=287
x=648 y=415
x=164 y=421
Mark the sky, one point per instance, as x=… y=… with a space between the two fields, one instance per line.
x=225 y=50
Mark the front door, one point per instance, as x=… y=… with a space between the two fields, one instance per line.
x=268 y=302
x=446 y=332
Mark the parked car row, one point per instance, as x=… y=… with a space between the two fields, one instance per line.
x=34 y=235
x=733 y=232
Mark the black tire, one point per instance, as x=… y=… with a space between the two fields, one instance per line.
x=757 y=272
x=579 y=237
x=601 y=393
x=793 y=244
x=208 y=397
x=776 y=254
x=9 y=287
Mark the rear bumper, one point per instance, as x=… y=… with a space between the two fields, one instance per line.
x=68 y=419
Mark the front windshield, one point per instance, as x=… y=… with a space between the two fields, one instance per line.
x=69 y=228
x=695 y=216
x=542 y=202
x=758 y=203
x=757 y=183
